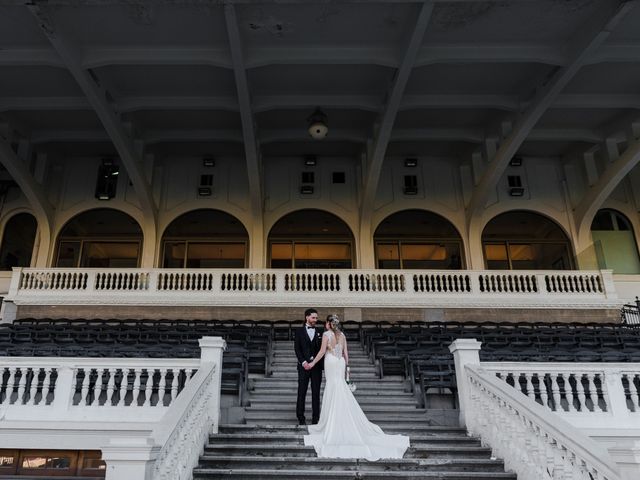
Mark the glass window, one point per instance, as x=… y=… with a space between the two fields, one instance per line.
x=45 y=461
x=215 y=255
x=322 y=255
x=174 y=254
x=496 y=255
x=110 y=254
x=281 y=255
x=310 y=255
x=388 y=255
x=68 y=254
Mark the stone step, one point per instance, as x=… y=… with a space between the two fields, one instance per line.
x=362 y=400
x=368 y=384
x=298 y=439
x=414 y=452
x=418 y=429
x=366 y=407
x=370 y=369
x=293 y=374
x=328 y=464
x=258 y=474
x=359 y=393
x=381 y=418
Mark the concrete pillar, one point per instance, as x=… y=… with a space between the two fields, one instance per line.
x=130 y=458
x=211 y=349
x=466 y=351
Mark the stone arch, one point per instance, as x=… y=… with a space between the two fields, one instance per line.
x=101 y=238
x=311 y=238
x=526 y=240
x=418 y=238
x=204 y=238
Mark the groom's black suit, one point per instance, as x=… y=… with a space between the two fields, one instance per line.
x=306 y=350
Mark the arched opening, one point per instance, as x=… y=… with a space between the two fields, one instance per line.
x=418 y=239
x=205 y=239
x=522 y=240
x=17 y=241
x=310 y=239
x=100 y=238
x=614 y=242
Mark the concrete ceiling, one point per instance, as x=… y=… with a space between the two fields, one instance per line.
x=168 y=70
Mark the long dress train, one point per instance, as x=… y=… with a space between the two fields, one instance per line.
x=343 y=430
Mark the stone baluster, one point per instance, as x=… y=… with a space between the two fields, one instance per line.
x=148 y=391
x=46 y=386
x=568 y=391
x=555 y=393
x=124 y=386
x=174 y=384
x=24 y=372
x=529 y=383
x=110 y=387
x=161 y=387
x=33 y=390
x=582 y=399
x=633 y=391
x=544 y=396
x=137 y=372
x=84 y=390
x=10 y=385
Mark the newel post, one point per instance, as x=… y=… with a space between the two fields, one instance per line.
x=466 y=351
x=608 y=284
x=211 y=349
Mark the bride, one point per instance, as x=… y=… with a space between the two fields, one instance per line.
x=343 y=430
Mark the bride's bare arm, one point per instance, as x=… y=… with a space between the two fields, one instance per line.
x=323 y=349
x=345 y=352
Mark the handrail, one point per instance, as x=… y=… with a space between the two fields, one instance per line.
x=185 y=428
x=533 y=442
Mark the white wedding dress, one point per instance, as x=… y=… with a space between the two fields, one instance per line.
x=343 y=430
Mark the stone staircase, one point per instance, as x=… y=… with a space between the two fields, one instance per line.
x=270 y=445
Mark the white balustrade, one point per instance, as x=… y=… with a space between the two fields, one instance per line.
x=29 y=384
x=149 y=417
x=577 y=388
x=533 y=443
x=346 y=288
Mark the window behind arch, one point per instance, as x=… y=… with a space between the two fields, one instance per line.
x=17 y=241
x=100 y=238
x=417 y=239
x=614 y=242
x=525 y=241
x=205 y=238
x=310 y=239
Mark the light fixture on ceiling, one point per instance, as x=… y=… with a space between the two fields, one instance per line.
x=515 y=161
x=318 y=124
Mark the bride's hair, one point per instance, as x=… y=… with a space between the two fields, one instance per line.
x=335 y=322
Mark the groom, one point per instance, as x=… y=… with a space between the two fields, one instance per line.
x=307 y=344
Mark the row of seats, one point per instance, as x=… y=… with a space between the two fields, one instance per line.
x=248 y=342
x=419 y=350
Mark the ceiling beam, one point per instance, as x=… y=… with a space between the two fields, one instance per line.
x=99 y=99
x=251 y=149
x=583 y=44
x=31 y=189
x=272 y=135
x=320 y=55
x=370 y=103
x=373 y=168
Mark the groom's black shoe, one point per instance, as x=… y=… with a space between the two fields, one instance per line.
x=302 y=422
x=314 y=422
